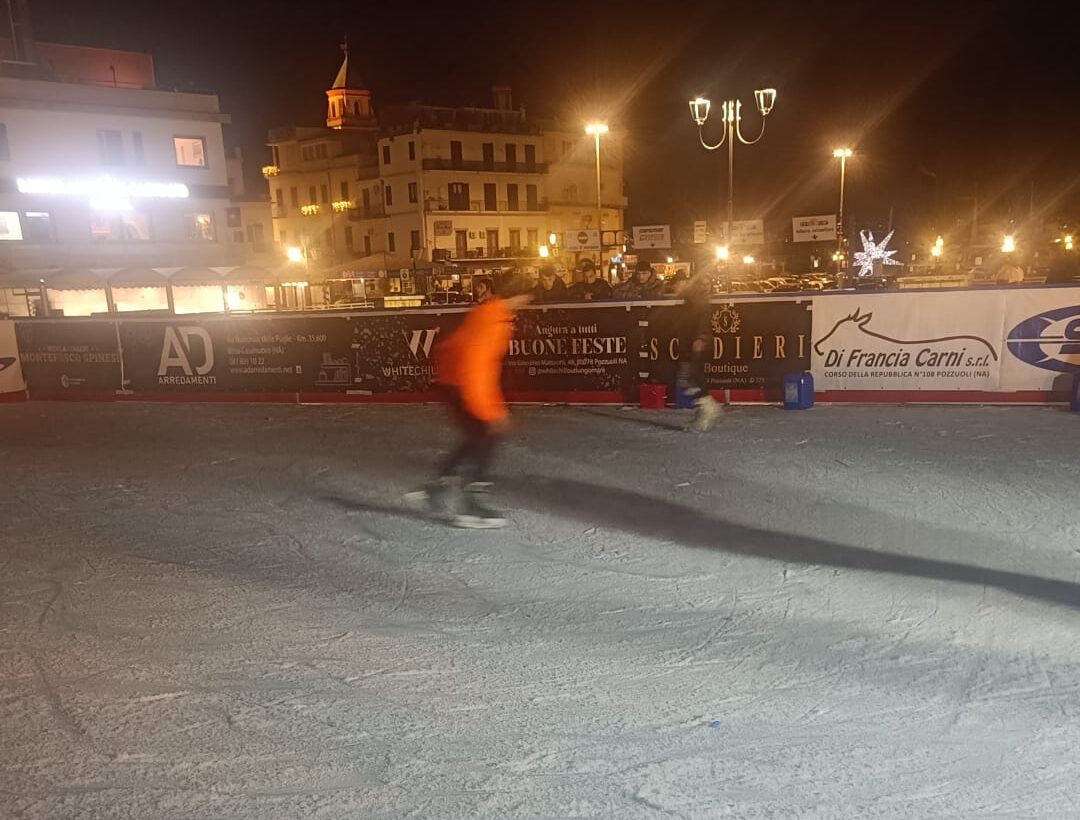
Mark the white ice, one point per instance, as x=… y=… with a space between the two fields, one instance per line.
x=225 y=612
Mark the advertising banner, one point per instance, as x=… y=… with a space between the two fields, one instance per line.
x=1042 y=339
x=572 y=350
x=699 y=232
x=11 y=377
x=754 y=344
x=908 y=341
x=814 y=228
x=69 y=355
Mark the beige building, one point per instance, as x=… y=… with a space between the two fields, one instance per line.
x=419 y=184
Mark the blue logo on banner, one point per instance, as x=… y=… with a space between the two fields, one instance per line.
x=1050 y=340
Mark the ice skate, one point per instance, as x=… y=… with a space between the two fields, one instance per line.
x=474 y=513
x=436 y=499
x=708 y=410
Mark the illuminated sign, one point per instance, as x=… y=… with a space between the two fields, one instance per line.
x=106 y=193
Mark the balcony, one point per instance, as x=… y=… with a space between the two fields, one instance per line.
x=480 y=166
x=477 y=206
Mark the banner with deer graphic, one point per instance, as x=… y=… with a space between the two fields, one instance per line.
x=909 y=341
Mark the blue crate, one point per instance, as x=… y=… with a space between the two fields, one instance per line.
x=798 y=391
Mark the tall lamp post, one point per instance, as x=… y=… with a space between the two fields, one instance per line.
x=842 y=154
x=596 y=130
x=699 y=111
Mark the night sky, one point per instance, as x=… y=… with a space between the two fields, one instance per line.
x=941 y=100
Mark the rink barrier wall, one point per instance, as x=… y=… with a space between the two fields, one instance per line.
x=1020 y=345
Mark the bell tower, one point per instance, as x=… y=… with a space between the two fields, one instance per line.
x=348 y=103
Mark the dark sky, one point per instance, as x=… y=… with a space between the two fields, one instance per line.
x=942 y=100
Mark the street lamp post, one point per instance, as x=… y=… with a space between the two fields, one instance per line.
x=732 y=117
x=596 y=130
x=842 y=154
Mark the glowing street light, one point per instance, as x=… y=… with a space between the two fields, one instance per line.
x=1068 y=241
x=1008 y=243
x=545 y=252
x=748 y=260
x=553 y=239
x=597 y=130
x=723 y=253
x=938 y=247
x=295 y=254
x=765 y=98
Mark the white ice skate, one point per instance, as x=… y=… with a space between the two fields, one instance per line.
x=474 y=513
x=708 y=411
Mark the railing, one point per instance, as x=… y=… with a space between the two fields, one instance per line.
x=438 y=164
x=480 y=206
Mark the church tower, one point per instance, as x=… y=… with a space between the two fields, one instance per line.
x=348 y=103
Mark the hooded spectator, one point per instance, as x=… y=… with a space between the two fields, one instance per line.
x=551 y=287
x=592 y=287
x=646 y=283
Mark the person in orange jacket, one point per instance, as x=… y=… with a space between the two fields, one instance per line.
x=470 y=366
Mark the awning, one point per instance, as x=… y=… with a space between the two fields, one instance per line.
x=195 y=277
x=138 y=278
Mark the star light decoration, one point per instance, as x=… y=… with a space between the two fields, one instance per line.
x=872 y=251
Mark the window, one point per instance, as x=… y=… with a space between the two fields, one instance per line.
x=233 y=218
x=238 y=237
x=10 y=229
x=366 y=196
x=111 y=147
x=492 y=241
x=5 y=149
x=571 y=193
x=414 y=240
x=312 y=200
x=367 y=245
x=386 y=154
x=530 y=156
x=533 y=238
x=37 y=226
x=199 y=227
x=511 y=157
x=356 y=108
x=389 y=195
x=391 y=245
x=532 y=201
x=279 y=197
x=515 y=240
x=255 y=236
x=512 y=197
x=128 y=227
x=324 y=194
x=412 y=150
x=307 y=152
x=490 y=197
x=455 y=153
x=567 y=147
x=345 y=190
x=190 y=151
x=412 y=192
x=281 y=236
x=459 y=196
x=489 y=155
x=294 y=197
x=137 y=148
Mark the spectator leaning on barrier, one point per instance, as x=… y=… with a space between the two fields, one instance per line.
x=646 y=283
x=625 y=288
x=551 y=287
x=592 y=287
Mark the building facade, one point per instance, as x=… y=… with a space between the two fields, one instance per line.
x=104 y=175
x=419 y=184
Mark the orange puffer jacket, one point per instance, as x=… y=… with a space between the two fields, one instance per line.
x=470 y=359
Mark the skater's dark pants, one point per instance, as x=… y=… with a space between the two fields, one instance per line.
x=472 y=460
x=691 y=372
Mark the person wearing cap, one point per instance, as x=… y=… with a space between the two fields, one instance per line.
x=646 y=283
x=551 y=287
x=470 y=368
x=592 y=287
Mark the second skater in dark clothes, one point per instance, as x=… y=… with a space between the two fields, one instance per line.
x=695 y=334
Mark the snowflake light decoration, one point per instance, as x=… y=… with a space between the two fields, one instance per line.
x=872 y=251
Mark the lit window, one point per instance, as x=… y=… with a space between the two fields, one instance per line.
x=199 y=227
x=10 y=229
x=190 y=151
x=135 y=226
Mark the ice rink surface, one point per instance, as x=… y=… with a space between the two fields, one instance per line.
x=226 y=612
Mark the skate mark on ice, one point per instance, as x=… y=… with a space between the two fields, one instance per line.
x=657 y=518
x=56 y=705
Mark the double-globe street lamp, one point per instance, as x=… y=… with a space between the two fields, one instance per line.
x=732 y=119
